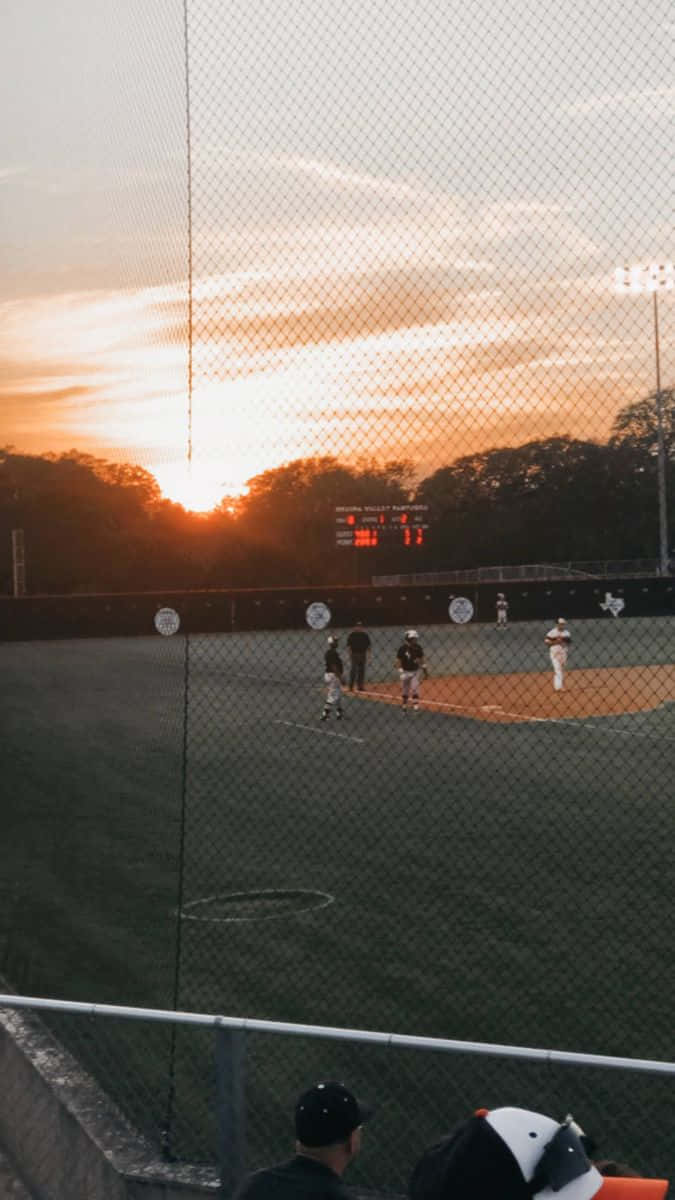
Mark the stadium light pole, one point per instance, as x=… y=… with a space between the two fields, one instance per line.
x=654 y=277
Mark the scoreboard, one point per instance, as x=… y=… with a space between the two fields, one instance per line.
x=369 y=525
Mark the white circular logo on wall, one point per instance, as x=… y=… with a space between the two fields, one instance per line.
x=460 y=610
x=318 y=615
x=167 y=621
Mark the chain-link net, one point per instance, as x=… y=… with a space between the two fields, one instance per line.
x=241 y=1108
x=391 y=315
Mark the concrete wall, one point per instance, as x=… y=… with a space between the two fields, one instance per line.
x=67 y=1139
x=35 y=617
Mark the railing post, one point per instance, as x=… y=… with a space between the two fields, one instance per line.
x=230 y=1053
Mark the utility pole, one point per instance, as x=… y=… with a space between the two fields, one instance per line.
x=654 y=277
x=18 y=562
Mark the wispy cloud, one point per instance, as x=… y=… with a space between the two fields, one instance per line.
x=337 y=175
x=300 y=355
x=12 y=172
x=650 y=99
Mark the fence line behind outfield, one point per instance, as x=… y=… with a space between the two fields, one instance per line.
x=639 y=568
x=236 y=1106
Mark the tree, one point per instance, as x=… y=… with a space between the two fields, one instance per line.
x=555 y=499
x=286 y=522
x=82 y=518
x=127 y=476
x=635 y=435
x=637 y=424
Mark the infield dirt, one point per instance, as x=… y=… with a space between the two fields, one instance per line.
x=529 y=696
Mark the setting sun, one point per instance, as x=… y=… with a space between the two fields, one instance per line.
x=199 y=486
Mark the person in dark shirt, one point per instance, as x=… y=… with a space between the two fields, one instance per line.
x=411 y=667
x=358 y=644
x=333 y=679
x=328 y=1121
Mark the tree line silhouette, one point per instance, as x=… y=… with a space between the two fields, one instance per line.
x=95 y=526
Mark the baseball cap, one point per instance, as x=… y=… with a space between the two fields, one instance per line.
x=562 y=621
x=328 y=1112
x=412 y=634
x=507 y=1154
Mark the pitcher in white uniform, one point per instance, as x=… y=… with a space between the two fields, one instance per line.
x=559 y=639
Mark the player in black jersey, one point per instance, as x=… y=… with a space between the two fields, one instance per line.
x=334 y=679
x=411 y=668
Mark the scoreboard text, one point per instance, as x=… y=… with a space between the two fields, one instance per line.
x=370 y=525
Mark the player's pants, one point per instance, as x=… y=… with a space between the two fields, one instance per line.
x=357 y=670
x=558 y=660
x=410 y=682
x=501 y=618
x=333 y=690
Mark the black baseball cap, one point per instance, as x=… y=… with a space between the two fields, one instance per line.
x=328 y=1112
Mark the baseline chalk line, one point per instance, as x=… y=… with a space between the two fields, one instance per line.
x=345 y=737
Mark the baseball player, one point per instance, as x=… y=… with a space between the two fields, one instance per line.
x=502 y=607
x=559 y=639
x=333 y=678
x=412 y=668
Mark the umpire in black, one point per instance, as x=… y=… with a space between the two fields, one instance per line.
x=358 y=644
x=328 y=1121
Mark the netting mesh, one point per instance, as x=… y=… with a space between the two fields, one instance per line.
x=406 y=225
x=347 y=355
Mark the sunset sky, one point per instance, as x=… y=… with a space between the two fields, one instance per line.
x=405 y=223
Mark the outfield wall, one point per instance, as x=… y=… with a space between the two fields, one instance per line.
x=128 y=614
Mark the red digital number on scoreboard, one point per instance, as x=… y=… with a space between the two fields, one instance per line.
x=365 y=537
x=413 y=537
x=391 y=525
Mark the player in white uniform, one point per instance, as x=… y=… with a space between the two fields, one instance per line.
x=558 y=639
x=333 y=679
x=412 y=669
x=502 y=607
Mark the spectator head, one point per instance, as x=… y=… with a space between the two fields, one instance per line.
x=507 y=1154
x=328 y=1120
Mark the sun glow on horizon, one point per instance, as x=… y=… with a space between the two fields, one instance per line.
x=198 y=486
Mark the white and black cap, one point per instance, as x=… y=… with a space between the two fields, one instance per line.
x=507 y=1154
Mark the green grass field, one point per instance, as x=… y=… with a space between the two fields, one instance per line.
x=502 y=883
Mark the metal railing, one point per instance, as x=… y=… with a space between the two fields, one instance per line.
x=608 y=569
x=230 y=1059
